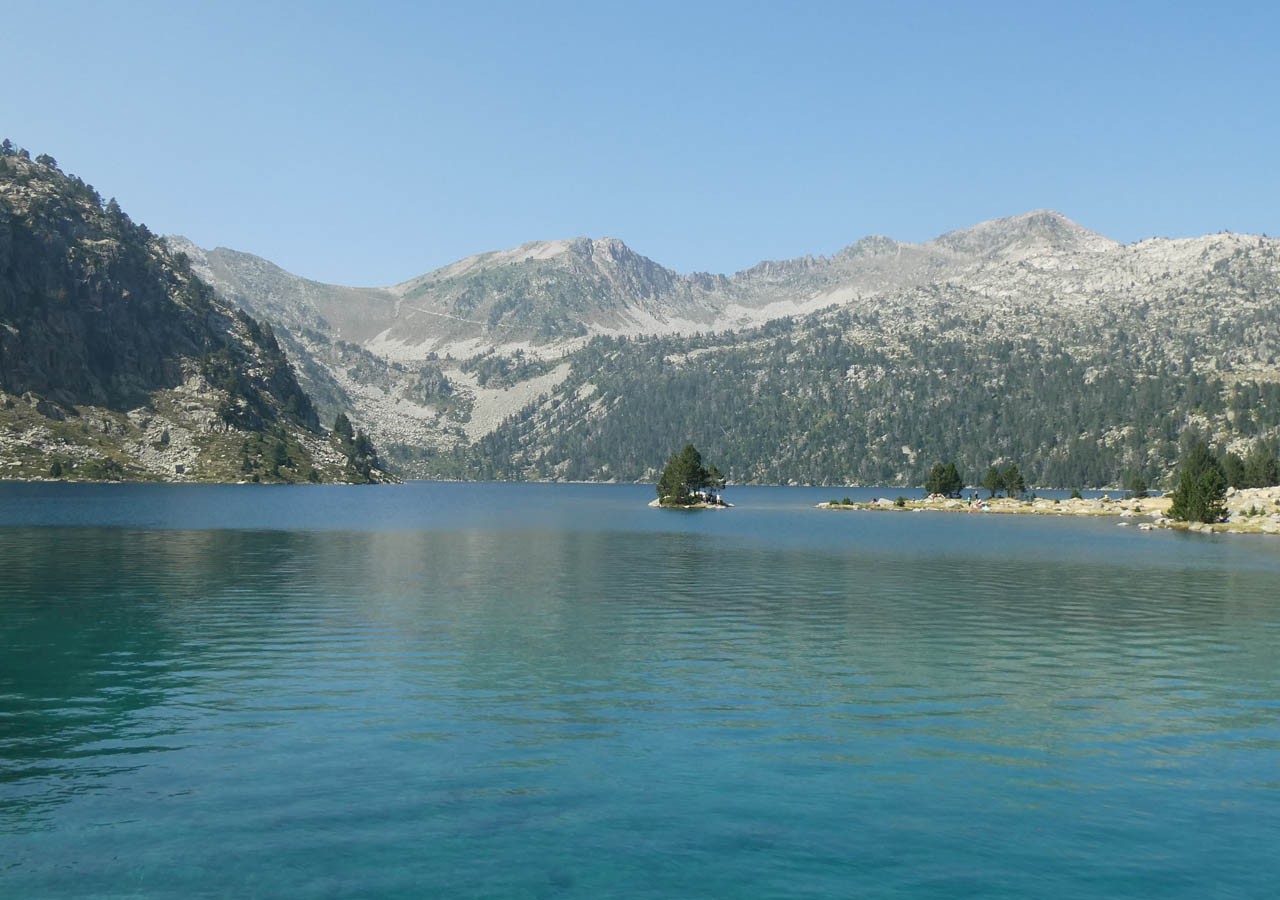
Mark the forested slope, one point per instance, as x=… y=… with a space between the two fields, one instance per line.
x=820 y=400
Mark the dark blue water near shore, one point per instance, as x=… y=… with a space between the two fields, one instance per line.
x=554 y=691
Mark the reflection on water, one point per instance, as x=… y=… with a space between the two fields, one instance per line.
x=765 y=701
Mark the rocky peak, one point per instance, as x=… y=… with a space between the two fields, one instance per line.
x=1036 y=232
x=872 y=245
x=782 y=268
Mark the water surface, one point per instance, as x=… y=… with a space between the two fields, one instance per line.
x=554 y=691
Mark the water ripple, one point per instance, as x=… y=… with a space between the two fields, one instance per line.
x=588 y=712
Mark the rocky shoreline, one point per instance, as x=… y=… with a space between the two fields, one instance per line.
x=701 y=504
x=1249 y=511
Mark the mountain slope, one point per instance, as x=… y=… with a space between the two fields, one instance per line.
x=1018 y=337
x=414 y=362
x=117 y=361
x=1026 y=339
x=1082 y=374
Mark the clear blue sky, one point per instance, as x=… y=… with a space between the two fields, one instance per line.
x=367 y=145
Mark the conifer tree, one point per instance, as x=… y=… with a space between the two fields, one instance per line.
x=1233 y=469
x=1260 y=467
x=1014 y=484
x=342 y=427
x=683 y=475
x=993 y=481
x=944 y=480
x=1201 y=491
x=1138 y=487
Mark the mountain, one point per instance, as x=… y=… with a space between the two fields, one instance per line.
x=1028 y=338
x=1082 y=361
x=1039 y=233
x=409 y=361
x=552 y=293
x=546 y=291
x=117 y=361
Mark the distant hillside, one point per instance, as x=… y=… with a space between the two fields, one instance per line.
x=1028 y=338
x=117 y=361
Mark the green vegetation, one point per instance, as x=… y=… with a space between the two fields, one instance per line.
x=100 y=470
x=1138 y=488
x=273 y=456
x=109 y=340
x=944 y=480
x=871 y=393
x=686 y=481
x=1009 y=479
x=1261 y=468
x=355 y=445
x=1201 y=489
x=497 y=371
x=1232 y=469
x=815 y=401
x=1014 y=484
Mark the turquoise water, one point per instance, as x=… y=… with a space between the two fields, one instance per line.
x=442 y=690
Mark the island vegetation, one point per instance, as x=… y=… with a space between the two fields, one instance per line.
x=1212 y=490
x=944 y=479
x=686 y=483
x=1201 y=491
x=1008 y=479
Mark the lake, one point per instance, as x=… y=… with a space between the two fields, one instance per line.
x=553 y=691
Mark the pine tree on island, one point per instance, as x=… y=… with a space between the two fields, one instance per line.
x=992 y=483
x=1014 y=484
x=1201 y=491
x=944 y=480
x=686 y=482
x=1009 y=479
x=1138 y=488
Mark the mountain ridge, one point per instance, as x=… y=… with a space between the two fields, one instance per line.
x=550 y=291
x=488 y=340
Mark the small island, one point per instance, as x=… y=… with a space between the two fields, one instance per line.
x=686 y=483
